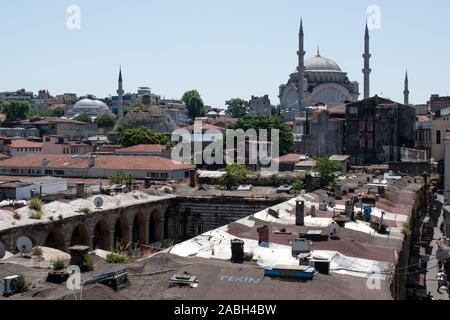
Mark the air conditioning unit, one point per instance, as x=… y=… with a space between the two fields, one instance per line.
x=10 y=285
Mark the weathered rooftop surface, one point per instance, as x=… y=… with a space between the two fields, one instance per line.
x=355 y=255
x=53 y=210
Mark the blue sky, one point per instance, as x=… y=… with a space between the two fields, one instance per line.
x=224 y=49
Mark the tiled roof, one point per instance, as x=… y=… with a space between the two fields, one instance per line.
x=205 y=126
x=292 y=158
x=101 y=162
x=50 y=120
x=143 y=148
x=24 y=144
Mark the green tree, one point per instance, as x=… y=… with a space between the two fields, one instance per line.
x=194 y=104
x=235 y=175
x=327 y=169
x=121 y=178
x=47 y=112
x=269 y=123
x=83 y=117
x=237 y=107
x=106 y=121
x=142 y=135
x=15 y=110
x=299 y=184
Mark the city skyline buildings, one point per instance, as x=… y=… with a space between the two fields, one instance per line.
x=225 y=60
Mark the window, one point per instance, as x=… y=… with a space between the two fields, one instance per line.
x=187 y=174
x=438 y=137
x=164 y=175
x=199 y=229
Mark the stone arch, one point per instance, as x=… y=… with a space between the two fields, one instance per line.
x=80 y=235
x=139 y=229
x=55 y=239
x=101 y=235
x=121 y=231
x=156 y=227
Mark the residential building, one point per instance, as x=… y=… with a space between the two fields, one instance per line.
x=62 y=145
x=143 y=150
x=430 y=135
x=74 y=130
x=438 y=103
x=103 y=166
x=18 y=132
x=26 y=188
x=17 y=148
x=376 y=129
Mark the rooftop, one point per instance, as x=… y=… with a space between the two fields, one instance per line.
x=101 y=162
x=143 y=148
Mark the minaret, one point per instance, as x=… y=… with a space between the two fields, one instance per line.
x=301 y=68
x=367 y=69
x=406 y=92
x=120 y=93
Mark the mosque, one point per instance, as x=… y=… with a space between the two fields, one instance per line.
x=321 y=80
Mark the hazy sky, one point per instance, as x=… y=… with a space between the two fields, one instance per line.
x=225 y=49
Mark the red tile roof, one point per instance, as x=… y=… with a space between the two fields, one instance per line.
x=24 y=144
x=292 y=158
x=142 y=148
x=205 y=126
x=58 y=161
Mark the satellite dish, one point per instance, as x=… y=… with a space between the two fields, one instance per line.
x=2 y=250
x=335 y=230
x=24 y=245
x=98 y=202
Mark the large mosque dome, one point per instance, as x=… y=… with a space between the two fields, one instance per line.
x=319 y=63
x=90 y=104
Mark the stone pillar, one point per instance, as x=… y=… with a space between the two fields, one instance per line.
x=147 y=231
x=111 y=240
x=91 y=243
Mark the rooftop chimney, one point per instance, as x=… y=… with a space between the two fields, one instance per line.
x=80 y=190
x=45 y=162
x=300 y=213
x=91 y=162
x=264 y=238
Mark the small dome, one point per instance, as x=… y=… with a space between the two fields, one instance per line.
x=90 y=104
x=319 y=63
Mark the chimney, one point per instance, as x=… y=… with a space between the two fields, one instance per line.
x=80 y=190
x=300 y=213
x=349 y=209
x=147 y=182
x=237 y=251
x=338 y=191
x=192 y=177
x=381 y=221
x=45 y=162
x=264 y=238
x=313 y=211
x=381 y=190
x=91 y=162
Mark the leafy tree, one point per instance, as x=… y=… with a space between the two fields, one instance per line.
x=299 y=184
x=121 y=178
x=276 y=111
x=235 y=175
x=47 y=112
x=15 y=110
x=142 y=135
x=83 y=117
x=194 y=104
x=327 y=169
x=237 y=107
x=106 y=121
x=269 y=123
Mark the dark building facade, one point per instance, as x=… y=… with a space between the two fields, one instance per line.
x=377 y=129
x=325 y=136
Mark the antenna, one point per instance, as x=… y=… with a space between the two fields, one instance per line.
x=2 y=250
x=98 y=202
x=24 y=245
